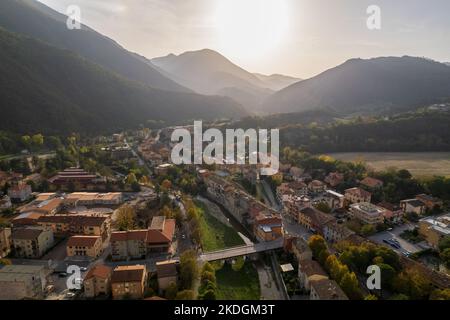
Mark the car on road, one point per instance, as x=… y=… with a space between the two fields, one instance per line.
x=62 y=274
x=83 y=269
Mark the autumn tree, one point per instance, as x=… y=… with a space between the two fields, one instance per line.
x=188 y=269
x=185 y=295
x=126 y=218
x=350 y=285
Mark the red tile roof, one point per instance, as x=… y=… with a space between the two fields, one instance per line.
x=100 y=271
x=82 y=241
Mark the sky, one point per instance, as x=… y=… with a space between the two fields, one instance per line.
x=294 y=37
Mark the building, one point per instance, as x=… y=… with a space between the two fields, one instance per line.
x=167 y=274
x=5 y=203
x=357 y=195
x=413 y=206
x=392 y=214
x=309 y=271
x=45 y=205
x=334 y=179
x=326 y=289
x=367 y=213
x=31 y=242
x=97 y=281
x=129 y=282
x=430 y=201
x=313 y=219
x=20 y=192
x=295 y=188
x=335 y=232
x=334 y=199
x=163 y=169
x=66 y=225
x=75 y=178
x=316 y=186
x=84 y=246
x=19 y=282
x=136 y=244
x=434 y=229
x=94 y=199
x=371 y=183
x=268 y=228
x=5 y=242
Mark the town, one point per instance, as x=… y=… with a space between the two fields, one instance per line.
x=113 y=218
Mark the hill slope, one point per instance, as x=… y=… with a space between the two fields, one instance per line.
x=208 y=72
x=50 y=90
x=367 y=85
x=38 y=21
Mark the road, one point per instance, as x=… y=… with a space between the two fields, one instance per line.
x=405 y=246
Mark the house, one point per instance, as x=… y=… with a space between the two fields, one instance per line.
x=392 y=213
x=31 y=242
x=296 y=173
x=66 y=225
x=413 y=206
x=316 y=186
x=129 y=282
x=371 y=183
x=163 y=169
x=434 y=229
x=268 y=227
x=296 y=188
x=84 y=246
x=309 y=271
x=334 y=199
x=20 y=192
x=97 y=281
x=5 y=203
x=313 y=219
x=334 y=179
x=167 y=274
x=136 y=244
x=299 y=247
x=357 y=195
x=5 y=242
x=326 y=289
x=367 y=213
x=335 y=232
x=430 y=201
x=19 y=282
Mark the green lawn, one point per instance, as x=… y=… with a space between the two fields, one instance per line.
x=214 y=234
x=238 y=285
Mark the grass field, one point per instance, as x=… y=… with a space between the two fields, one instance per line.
x=419 y=164
x=238 y=285
x=214 y=234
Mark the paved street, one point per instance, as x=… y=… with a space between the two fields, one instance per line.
x=395 y=234
x=269 y=289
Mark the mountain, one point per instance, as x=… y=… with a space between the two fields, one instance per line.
x=277 y=82
x=36 y=20
x=51 y=90
x=208 y=72
x=373 y=85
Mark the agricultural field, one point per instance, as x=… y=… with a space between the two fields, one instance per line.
x=420 y=164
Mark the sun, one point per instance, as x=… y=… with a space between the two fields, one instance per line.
x=251 y=27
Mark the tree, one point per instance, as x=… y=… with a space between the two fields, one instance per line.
x=387 y=275
x=444 y=243
x=185 y=295
x=317 y=245
x=5 y=262
x=26 y=140
x=171 y=291
x=38 y=140
x=443 y=294
x=188 y=269
x=371 y=297
x=209 y=295
x=412 y=283
x=350 y=285
x=131 y=178
x=368 y=230
x=323 y=206
x=126 y=218
x=445 y=256
x=166 y=185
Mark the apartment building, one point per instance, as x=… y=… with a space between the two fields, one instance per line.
x=22 y=282
x=5 y=242
x=367 y=213
x=129 y=282
x=31 y=242
x=87 y=225
x=97 y=281
x=84 y=246
x=357 y=195
x=434 y=229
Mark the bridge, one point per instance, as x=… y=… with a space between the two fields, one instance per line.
x=241 y=250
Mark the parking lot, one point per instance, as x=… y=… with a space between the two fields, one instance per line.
x=404 y=246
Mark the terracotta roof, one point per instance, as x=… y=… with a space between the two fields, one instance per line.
x=26 y=234
x=311 y=267
x=328 y=289
x=129 y=235
x=371 y=182
x=358 y=191
x=74 y=220
x=100 y=271
x=169 y=228
x=82 y=241
x=166 y=269
x=316 y=216
x=128 y=274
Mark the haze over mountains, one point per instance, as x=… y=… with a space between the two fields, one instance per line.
x=111 y=87
x=208 y=72
x=387 y=83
